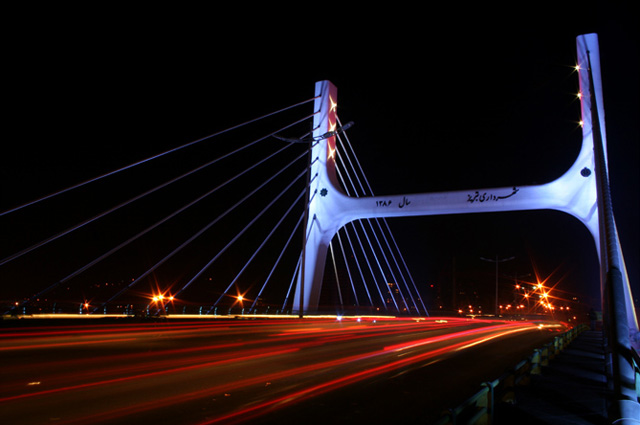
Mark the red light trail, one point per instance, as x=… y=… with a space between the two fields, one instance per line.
x=214 y=371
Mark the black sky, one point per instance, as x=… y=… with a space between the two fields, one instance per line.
x=439 y=103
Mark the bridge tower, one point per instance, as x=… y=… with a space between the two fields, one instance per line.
x=576 y=192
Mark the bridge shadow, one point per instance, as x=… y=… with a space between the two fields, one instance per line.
x=572 y=389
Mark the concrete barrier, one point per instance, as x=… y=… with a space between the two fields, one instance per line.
x=479 y=409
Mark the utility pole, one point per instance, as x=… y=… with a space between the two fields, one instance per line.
x=454 y=298
x=497 y=261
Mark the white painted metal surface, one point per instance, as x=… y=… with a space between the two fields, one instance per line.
x=573 y=193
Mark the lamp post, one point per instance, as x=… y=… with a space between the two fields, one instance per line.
x=497 y=261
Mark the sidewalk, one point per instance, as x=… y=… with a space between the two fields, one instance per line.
x=572 y=389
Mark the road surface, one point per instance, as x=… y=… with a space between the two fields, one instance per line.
x=253 y=371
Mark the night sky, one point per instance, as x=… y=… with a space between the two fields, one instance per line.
x=439 y=103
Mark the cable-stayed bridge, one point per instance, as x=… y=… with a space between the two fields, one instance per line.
x=246 y=243
x=286 y=223
x=265 y=179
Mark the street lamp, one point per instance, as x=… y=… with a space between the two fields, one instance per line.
x=497 y=261
x=161 y=302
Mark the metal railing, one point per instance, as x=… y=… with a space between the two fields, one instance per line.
x=479 y=409
x=635 y=360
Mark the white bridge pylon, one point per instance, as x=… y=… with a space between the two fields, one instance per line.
x=330 y=208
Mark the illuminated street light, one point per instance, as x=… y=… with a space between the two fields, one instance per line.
x=159 y=301
x=517 y=279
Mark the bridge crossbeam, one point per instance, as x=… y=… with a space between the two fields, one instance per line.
x=574 y=192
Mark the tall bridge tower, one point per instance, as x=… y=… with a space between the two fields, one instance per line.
x=579 y=191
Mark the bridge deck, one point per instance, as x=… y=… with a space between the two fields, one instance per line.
x=572 y=389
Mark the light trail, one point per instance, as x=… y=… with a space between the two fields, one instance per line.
x=148 y=375
x=267 y=365
x=350 y=379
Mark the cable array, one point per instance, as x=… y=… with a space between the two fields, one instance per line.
x=238 y=251
x=385 y=265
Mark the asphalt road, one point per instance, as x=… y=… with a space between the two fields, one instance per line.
x=254 y=371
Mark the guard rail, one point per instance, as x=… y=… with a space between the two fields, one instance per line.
x=479 y=409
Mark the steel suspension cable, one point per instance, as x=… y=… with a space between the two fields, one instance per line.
x=153 y=226
x=138 y=197
x=340 y=157
x=364 y=281
x=353 y=253
x=384 y=256
x=286 y=245
x=375 y=234
x=408 y=272
x=366 y=234
x=344 y=257
x=263 y=242
x=293 y=279
x=307 y=233
x=359 y=167
x=394 y=257
x=275 y=265
x=373 y=231
x=200 y=232
x=127 y=167
x=335 y=270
